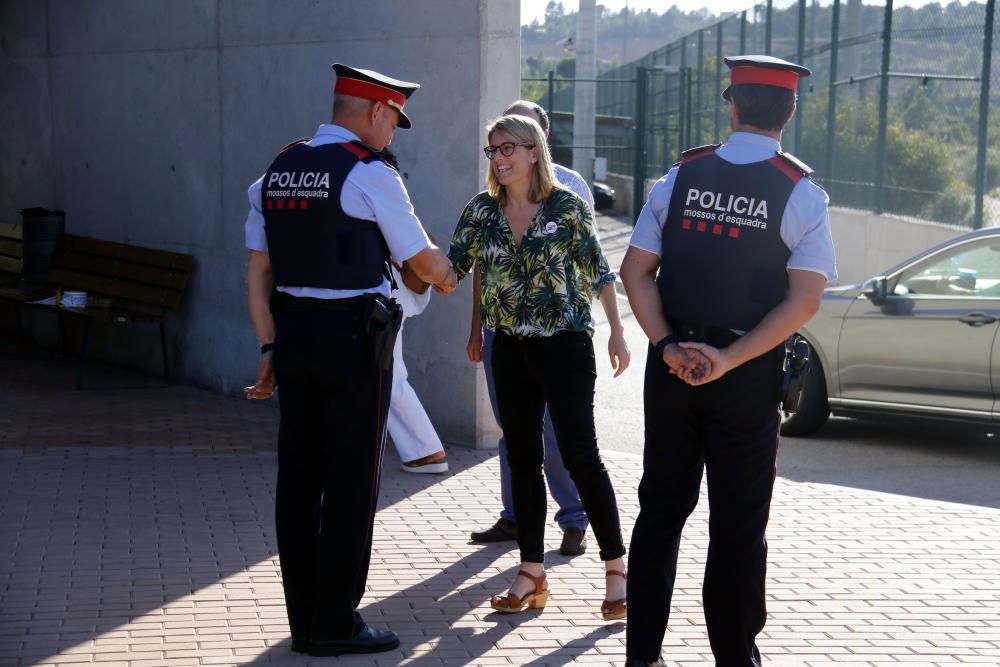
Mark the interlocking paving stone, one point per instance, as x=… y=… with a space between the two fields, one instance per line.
x=137 y=530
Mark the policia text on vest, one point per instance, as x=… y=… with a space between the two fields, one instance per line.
x=716 y=206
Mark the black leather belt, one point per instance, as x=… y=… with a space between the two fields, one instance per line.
x=354 y=304
x=703 y=333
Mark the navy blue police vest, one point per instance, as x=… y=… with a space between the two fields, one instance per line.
x=311 y=241
x=722 y=262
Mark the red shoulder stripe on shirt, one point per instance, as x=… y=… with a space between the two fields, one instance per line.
x=358 y=151
x=692 y=154
x=793 y=174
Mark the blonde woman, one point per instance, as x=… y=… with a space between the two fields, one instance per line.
x=540 y=261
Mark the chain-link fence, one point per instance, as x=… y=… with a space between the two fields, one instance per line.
x=894 y=117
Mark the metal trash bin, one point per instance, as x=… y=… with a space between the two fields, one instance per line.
x=41 y=229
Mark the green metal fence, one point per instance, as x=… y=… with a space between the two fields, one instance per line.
x=896 y=116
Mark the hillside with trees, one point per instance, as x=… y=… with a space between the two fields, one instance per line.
x=932 y=124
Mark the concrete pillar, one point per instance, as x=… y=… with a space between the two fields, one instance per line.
x=585 y=91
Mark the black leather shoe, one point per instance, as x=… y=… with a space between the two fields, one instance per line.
x=574 y=541
x=368 y=640
x=635 y=662
x=300 y=645
x=504 y=530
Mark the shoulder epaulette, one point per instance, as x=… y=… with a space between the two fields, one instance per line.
x=363 y=151
x=697 y=150
x=797 y=163
x=295 y=143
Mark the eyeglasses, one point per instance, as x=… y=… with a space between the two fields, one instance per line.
x=506 y=149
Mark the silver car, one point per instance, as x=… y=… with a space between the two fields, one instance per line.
x=919 y=341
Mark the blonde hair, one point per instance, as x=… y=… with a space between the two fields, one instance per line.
x=528 y=131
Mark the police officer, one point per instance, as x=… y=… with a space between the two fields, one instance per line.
x=324 y=222
x=729 y=257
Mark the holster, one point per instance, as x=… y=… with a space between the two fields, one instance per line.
x=797 y=353
x=382 y=325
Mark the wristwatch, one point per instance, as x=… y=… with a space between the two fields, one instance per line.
x=266 y=347
x=666 y=340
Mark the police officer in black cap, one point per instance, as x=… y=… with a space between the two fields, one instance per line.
x=729 y=257
x=325 y=220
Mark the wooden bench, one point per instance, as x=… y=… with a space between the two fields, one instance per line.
x=132 y=283
x=11 y=254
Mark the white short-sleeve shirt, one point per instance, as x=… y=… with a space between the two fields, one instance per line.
x=805 y=225
x=575 y=182
x=372 y=191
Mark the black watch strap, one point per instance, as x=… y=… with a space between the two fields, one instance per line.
x=266 y=347
x=666 y=340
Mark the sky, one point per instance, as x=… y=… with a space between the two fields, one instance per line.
x=532 y=9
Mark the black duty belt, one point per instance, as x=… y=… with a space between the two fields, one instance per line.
x=354 y=304
x=703 y=333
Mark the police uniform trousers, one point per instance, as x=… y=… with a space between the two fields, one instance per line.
x=728 y=428
x=330 y=443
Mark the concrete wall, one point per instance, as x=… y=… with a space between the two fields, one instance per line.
x=868 y=244
x=146 y=122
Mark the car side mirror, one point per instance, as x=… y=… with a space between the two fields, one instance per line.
x=876 y=290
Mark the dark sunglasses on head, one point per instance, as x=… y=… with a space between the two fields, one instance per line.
x=506 y=149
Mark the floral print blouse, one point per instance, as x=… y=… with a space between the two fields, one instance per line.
x=544 y=285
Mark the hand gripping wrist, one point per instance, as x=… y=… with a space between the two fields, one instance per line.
x=666 y=340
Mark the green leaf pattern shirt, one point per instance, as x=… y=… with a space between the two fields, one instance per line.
x=543 y=286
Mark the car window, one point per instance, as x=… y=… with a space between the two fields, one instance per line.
x=968 y=270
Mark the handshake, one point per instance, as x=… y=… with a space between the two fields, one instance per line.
x=429 y=267
x=696 y=363
x=448 y=285
x=420 y=286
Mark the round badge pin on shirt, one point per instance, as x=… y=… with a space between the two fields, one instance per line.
x=551 y=227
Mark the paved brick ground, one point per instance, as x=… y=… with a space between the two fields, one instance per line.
x=136 y=529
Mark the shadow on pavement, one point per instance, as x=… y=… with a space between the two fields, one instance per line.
x=933 y=460
x=427 y=616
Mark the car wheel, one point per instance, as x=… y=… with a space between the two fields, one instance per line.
x=814 y=409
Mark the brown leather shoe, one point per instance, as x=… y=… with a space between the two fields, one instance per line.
x=503 y=530
x=574 y=541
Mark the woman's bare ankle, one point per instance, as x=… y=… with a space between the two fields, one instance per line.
x=533 y=568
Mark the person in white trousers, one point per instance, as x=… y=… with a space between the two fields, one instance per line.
x=416 y=441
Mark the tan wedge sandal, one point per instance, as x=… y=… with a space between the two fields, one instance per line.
x=512 y=604
x=614 y=610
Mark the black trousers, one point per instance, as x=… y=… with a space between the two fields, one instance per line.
x=558 y=371
x=729 y=428
x=334 y=404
